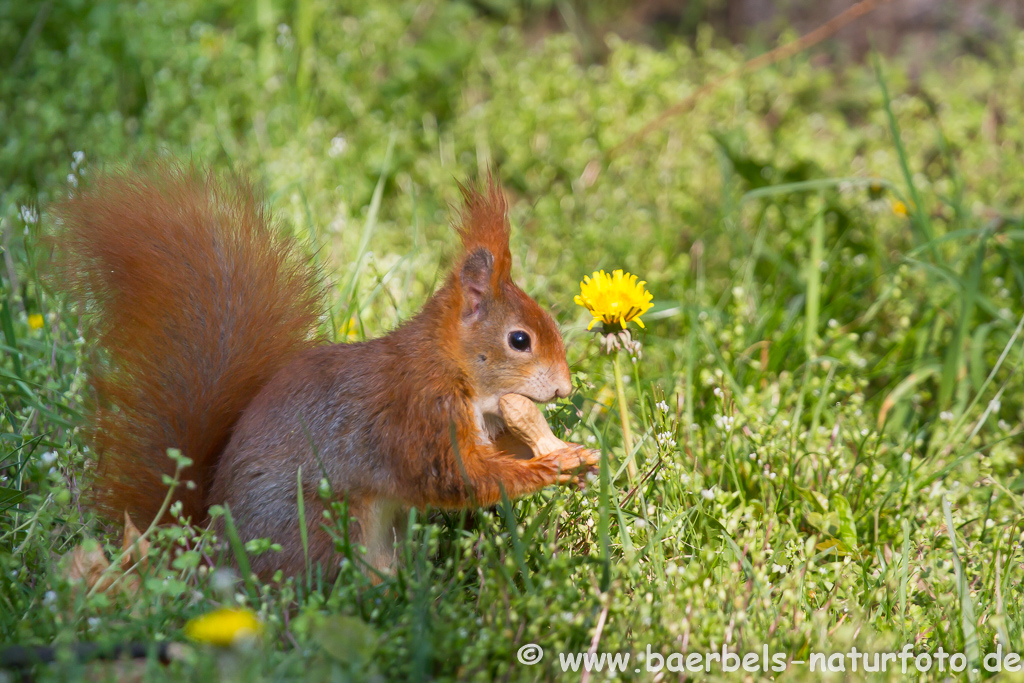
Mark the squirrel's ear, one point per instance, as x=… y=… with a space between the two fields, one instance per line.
x=484 y=224
x=475 y=278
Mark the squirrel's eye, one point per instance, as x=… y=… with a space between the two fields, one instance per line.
x=519 y=340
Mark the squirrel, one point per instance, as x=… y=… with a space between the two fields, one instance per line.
x=206 y=322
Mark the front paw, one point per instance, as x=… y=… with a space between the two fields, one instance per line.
x=574 y=462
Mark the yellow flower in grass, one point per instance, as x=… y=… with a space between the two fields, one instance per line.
x=349 y=331
x=36 y=321
x=899 y=208
x=615 y=298
x=224 y=626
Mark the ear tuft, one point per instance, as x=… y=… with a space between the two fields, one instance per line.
x=477 y=271
x=483 y=223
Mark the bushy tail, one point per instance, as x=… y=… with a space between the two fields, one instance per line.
x=195 y=301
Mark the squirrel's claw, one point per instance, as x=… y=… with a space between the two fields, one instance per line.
x=574 y=463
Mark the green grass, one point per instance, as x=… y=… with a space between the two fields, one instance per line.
x=840 y=461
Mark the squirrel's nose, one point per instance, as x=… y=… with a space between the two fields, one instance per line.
x=563 y=384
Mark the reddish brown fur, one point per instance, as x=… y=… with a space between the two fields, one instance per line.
x=375 y=418
x=483 y=223
x=196 y=301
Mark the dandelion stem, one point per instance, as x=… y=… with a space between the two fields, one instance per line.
x=627 y=434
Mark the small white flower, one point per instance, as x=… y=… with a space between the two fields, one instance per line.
x=708 y=494
x=48 y=457
x=994 y=405
x=72 y=180
x=662 y=406
x=49 y=597
x=752 y=456
x=29 y=215
x=906 y=457
x=223 y=580
x=718 y=392
x=93 y=622
x=946 y=416
x=284 y=35
x=78 y=156
x=338 y=146
x=778 y=568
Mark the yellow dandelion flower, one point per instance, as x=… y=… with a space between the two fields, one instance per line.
x=899 y=208
x=224 y=626
x=349 y=330
x=36 y=321
x=615 y=298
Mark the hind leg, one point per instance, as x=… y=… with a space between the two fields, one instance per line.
x=376 y=524
x=383 y=526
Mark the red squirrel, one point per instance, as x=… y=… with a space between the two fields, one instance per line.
x=206 y=319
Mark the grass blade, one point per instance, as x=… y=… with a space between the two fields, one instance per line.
x=968 y=622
